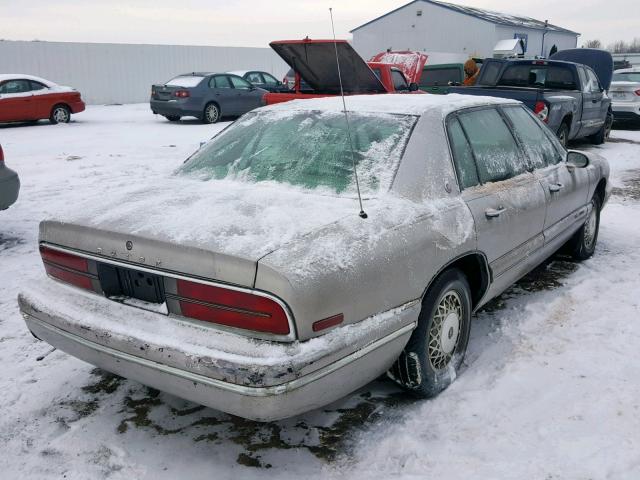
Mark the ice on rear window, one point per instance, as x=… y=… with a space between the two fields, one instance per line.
x=185 y=81
x=309 y=149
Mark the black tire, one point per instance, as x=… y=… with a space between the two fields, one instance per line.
x=583 y=243
x=431 y=359
x=563 y=134
x=603 y=134
x=60 y=114
x=211 y=113
x=173 y=118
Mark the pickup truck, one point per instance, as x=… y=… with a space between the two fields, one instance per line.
x=316 y=75
x=569 y=97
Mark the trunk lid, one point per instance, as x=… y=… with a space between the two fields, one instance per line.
x=624 y=91
x=315 y=60
x=164 y=92
x=215 y=230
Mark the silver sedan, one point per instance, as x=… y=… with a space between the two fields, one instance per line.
x=249 y=282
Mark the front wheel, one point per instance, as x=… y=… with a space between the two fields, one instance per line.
x=60 y=114
x=211 y=113
x=431 y=359
x=583 y=243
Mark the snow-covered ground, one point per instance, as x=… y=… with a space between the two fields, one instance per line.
x=550 y=390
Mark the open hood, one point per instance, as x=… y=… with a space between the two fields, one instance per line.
x=315 y=60
x=599 y=60
x=411 y=63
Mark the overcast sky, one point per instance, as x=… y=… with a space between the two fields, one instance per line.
x=255 y=22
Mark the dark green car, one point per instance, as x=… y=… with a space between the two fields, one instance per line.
x=438 y=78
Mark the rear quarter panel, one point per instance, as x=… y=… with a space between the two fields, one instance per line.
x=360 y=267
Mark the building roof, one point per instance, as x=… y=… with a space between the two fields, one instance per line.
x=487 y=15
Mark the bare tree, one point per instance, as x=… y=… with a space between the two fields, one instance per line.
x=634 y=46
x=618 y=47
x=593 y=44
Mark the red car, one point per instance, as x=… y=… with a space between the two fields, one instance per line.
x=314 y=65
x=28 y=98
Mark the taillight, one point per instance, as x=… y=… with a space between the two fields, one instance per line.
x=66 y=267
x=542 y=111
x=181 y=93
x=1 y=155
x=637 y=92
x=232 y=308
x=153 y=92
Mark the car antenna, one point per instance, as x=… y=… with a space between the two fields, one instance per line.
x=346 y=117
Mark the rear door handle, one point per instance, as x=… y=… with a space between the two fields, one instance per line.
x=493 y=212
x=555 y=187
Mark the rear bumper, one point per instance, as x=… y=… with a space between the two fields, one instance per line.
x=253 y=379
x=9 y=188
x=626 y=111
x=77 y=107
x=174 y=107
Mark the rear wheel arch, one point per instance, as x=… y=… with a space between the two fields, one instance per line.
x=475 y=267
x=601 y=190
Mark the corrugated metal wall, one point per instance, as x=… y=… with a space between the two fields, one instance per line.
x=432 y=28
x=123 y=73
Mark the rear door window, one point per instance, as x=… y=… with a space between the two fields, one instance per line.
x=494 y=147
x=532 y=137
x=462 y=155
x=239 y=83
x=220 y=81
x=37 y=85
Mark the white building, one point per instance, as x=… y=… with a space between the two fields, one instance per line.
x=452 y=33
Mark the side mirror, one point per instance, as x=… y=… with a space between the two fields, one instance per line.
x=413 y=86
x=576 y=160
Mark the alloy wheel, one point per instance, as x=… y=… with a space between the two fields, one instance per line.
x=211 y=114
x=61 y=115
x=444 y=333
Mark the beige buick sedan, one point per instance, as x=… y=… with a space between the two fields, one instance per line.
x=248 y=281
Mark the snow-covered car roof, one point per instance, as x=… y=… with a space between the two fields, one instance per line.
x=15 y=76
x=391 y=103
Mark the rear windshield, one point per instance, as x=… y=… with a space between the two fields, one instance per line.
x=440 y=76
x=541 y=76
x=185 y=81
x=626 y=77
x=308 y=149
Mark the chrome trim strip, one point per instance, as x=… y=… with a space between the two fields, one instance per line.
x=214 y=383
x=157 y=271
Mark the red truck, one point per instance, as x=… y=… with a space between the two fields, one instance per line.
x=314 y=63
